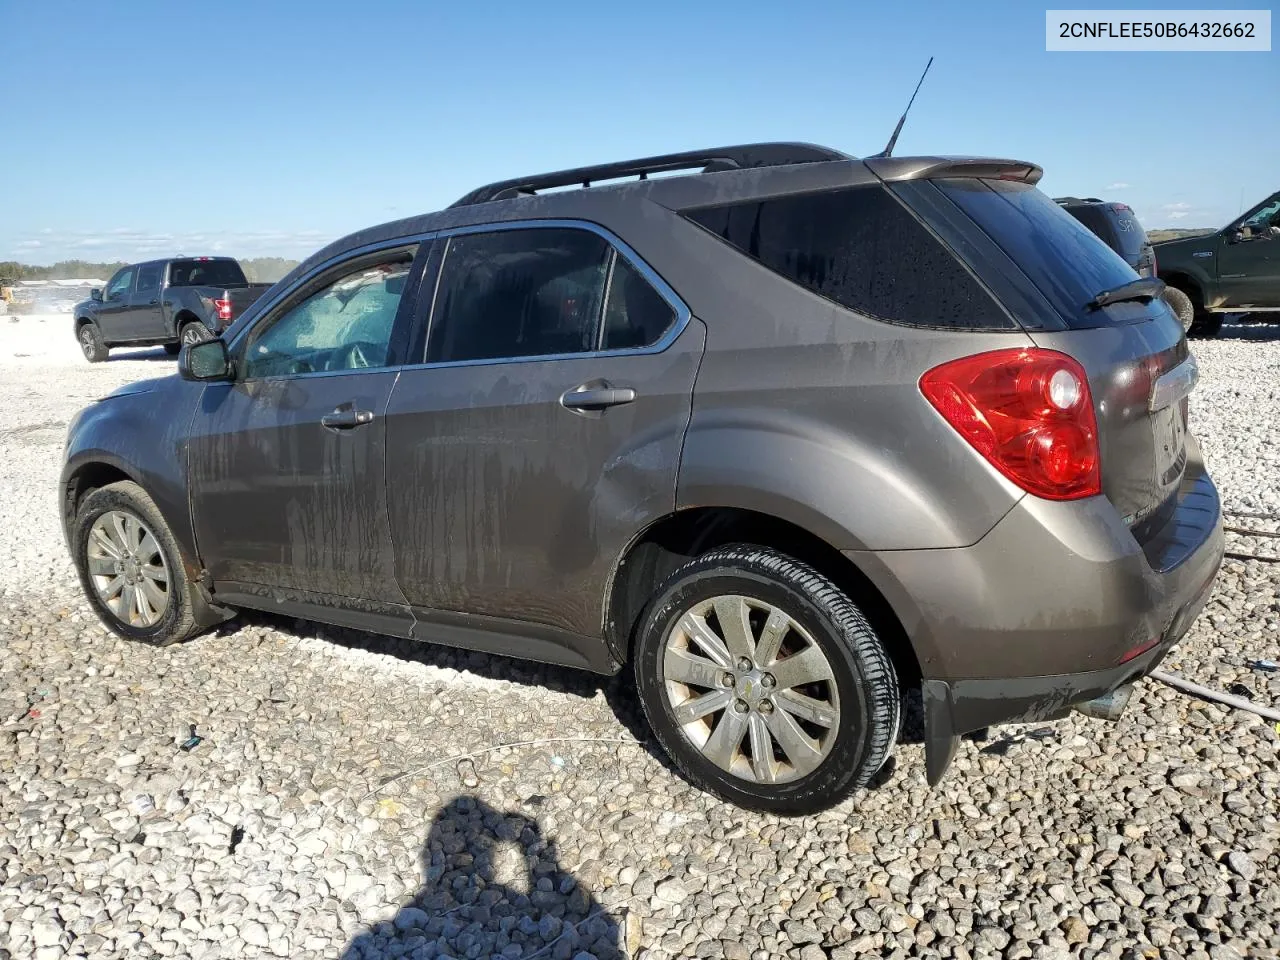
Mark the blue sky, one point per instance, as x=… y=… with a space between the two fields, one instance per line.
x=250 y=128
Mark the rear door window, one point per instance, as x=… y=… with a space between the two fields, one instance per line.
x=636 y=315
x=511 y=294
x=1068 y=264
x=149 y=277
x=862 y=249
x=206 y=273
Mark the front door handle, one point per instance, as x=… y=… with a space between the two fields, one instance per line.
x=345 y=418
x=597 y=395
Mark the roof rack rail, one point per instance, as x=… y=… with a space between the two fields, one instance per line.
x=706 y=161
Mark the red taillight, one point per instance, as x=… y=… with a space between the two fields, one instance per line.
x=224 y=309
x=1029 y=412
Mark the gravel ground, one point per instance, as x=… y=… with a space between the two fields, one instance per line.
x=326 y=812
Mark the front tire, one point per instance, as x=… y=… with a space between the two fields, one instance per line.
x=765 y=683
x=91 y=343
x=131 y=569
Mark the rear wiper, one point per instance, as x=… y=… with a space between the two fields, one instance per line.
x=1144 y=288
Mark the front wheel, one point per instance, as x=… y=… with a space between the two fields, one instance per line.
x=765 y=683
x=131 y=569
x=91 y=343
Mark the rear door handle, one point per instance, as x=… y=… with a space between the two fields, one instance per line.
x=345 y=418
x=597 y=395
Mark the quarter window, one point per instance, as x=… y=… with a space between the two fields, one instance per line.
x=636 y=315
x=860 y=248
x=120 y=284
x=345 y=325
x=519 y=293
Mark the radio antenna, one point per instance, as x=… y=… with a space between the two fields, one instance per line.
x=893 y=141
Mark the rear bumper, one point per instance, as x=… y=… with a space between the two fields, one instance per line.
x=1049 y=609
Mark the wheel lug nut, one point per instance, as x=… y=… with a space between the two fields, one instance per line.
x=740 y=706
x=766 y=706
x=726 y=679
x=744 y=665
x=768 y=681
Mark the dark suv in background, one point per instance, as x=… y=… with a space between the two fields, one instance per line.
x=783 y=436
x=1118 y=227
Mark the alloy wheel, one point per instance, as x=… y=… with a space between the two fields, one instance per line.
x=127 y=569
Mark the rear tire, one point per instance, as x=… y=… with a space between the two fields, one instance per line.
x=1181 y=306
x=193 y=331
x=91 y=342
x=132 y=571
x=808 y=703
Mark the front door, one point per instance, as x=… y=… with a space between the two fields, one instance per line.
x=1249 y=267
x=531 y=447
x=115 y=315
x=287 y=471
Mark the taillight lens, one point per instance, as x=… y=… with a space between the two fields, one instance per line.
x=1029 y=412
x=224 y=309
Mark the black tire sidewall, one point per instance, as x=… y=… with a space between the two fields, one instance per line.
x=99 y=347
x=201 y=333
x=839 y=772
x=174 y=623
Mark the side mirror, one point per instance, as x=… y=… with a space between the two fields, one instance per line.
x=208 y=360
x=96 y=294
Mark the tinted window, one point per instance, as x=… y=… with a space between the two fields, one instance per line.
x=1066 y=262
x=120 y=284
x=1268 y=216
x=862 y=249
x=1130 y=236
x=206 y=273
x=635 y=315
x=149 y=277
x=345 y=325
x=518 y=293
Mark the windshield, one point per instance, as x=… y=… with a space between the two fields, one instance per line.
x=1061 y=256
x=206 y=273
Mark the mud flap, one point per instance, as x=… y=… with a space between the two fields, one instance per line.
x=940 y=738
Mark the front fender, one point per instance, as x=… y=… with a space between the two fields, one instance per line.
x=140 y=435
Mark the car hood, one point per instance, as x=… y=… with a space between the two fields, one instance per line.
x=139 y=387
x=1185 y=243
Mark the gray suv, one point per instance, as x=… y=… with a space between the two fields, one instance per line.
x=785 y=437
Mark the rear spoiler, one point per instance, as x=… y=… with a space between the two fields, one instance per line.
x=931 y=168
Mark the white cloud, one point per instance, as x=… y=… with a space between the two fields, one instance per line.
x=28 y=245
x=1118 y=186
x=128 y=243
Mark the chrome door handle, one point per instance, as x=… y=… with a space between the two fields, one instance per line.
x=597 y=397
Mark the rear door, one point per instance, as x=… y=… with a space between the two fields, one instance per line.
x=1124 y=347
x=536 y=441
x=145 y=316
x=115 y=315
x=287 y=472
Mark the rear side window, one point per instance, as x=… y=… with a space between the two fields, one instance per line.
x=862 y=249
x=1066 y=262
x=205 y=273
x=149 y=277
x=519 y=293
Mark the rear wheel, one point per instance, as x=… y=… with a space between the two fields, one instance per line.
x=91 y=343
x=132 y=571
x=1181 y=306
x=193 y=331
x=764 y=682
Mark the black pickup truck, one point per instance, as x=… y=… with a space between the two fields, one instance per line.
x=169 y=302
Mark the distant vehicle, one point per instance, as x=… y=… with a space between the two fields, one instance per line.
x=168 y=302
x=1117 y=227
x=786 y=434
x=1234 y=270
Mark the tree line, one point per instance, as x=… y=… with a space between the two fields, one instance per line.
x=257 y=269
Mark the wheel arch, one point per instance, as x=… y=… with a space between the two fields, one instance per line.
x=674 y=539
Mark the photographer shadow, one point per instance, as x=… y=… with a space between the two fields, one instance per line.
x=492 y=886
